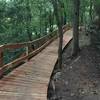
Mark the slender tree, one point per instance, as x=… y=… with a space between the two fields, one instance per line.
x=59 y=19
x=51 y=21
x=90 y=12
x=29 y=17
x=63 y=11
x=76 y=6
x=45 y=18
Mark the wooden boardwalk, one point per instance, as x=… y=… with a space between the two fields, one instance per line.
x=30 y=80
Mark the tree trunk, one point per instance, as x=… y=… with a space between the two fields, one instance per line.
x=81 y=18
x=76 y=27
x=29 y=16
x=90 y=12
x=28 y=26
x=50 y=21
x=40 y=22
x=63 y=11
x=59 y=18
x=45 y=22
x=65 y=16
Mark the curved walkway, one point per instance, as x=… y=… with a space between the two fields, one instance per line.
x=30 y=81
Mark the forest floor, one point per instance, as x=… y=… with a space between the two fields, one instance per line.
x=79 y=78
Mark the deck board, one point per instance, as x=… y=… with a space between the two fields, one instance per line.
x=30 y=80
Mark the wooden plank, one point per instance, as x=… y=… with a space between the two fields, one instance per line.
x=30 y=81
x=1 y=55
x=19 y=45
x=1 y=58
x=40 y=42
x=22 y=59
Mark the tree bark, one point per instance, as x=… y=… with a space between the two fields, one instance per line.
x=40 y=21
x=64 y=12
x=90 y=12
x=29 y=16
x=76 y=27
x=59 y=18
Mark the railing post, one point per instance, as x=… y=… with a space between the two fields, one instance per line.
x=1 y=58
x=38 y=44
x=27 y=51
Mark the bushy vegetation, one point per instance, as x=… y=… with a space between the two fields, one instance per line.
x=26 y=20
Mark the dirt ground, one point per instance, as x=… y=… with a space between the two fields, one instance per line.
x=79 y=78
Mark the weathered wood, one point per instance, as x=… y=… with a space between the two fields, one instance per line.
x=42 y=43
x=1 y=58
x=1 y=55
x=30 y=81
x=24 y=58
x=27 y=52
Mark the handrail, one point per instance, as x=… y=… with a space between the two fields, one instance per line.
x=39 y=44
x=19 y=45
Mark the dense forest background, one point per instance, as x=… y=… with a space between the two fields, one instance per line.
x=26 y=20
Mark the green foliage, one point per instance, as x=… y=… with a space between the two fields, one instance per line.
x=21 y=20
x=97 y=7
x=26 y=20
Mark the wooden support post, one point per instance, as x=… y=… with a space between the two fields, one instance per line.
x=1 y=58
x=27 y=52
x=38 y=44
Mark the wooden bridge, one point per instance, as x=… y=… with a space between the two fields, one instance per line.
x=30 y=80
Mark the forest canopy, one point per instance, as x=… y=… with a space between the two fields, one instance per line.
x=26 y=20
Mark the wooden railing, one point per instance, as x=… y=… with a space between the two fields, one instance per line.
x=39 y=44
